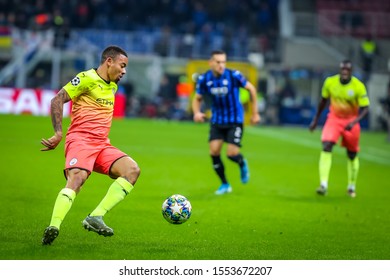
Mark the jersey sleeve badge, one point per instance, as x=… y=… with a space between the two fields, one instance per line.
x=75 y=81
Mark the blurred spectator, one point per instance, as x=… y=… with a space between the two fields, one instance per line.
x=148 y=108
x=175 y=112
x=288 y=94
x=184 y=89
x=166 y=91
x=199 y=15
x=83 y=15
x=272 y=108
x=207 y=36
x=38 y=78
x=264 y=18
x=368 y=51
x=61 y=29
x=129 y=92
x=241 y=41
x=163 y=41
x=228 y=42
x=186 y=44
x=350 y=21
x=181 y=12
x=133 y=107
x=5 y=33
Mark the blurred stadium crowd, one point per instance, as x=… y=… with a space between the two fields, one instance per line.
x=53 y=40
x=255 y=15
x=168 y=28
x=195 y=18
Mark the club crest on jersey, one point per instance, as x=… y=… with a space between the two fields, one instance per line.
x=73 y=161
x=225 y=82
x=351 y=92
x=75 y=81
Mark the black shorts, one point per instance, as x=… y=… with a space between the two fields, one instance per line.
x=229 y=133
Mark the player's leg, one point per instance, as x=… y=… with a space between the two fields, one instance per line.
x=75 y=179
x=215 y=147
x=233 y=153
x=78 y=166
x=216 y=140
x=117 y=165
x=324 y=166
x=331 y=132
x=126 y=172
x=352 y=171
x=234 y=138
x=351 y=143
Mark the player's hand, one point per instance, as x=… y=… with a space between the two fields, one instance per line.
x=349 y=126
x=199 y=117
x=52 y=142
x=313 y=125
x=255 y=118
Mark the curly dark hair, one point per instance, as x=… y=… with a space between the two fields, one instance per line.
x=113 y=52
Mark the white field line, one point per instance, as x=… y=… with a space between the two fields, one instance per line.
x=313 y=141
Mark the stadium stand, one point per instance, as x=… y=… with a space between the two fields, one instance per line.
x=358 y=18
x=300 y=39
x=145 y=23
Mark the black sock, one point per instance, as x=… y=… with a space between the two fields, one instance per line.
x=238 y=159
x=219 y=168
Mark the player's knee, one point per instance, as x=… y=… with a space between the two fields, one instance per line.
x=76 y=178
x=132 y=173
x=232 y=154
x=327 y=146
x=215 y=153
x=136 y=170
x=234 y=157
x=351 y=155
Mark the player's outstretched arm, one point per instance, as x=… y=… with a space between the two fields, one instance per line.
x=57 y=105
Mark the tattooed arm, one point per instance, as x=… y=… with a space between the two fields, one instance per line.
x=57 y=108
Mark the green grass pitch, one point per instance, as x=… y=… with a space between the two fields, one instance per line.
x=276 y=216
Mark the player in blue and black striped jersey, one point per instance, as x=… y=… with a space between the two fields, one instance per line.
x=223 y=85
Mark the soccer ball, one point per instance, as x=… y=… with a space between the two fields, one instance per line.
x=176 y=209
